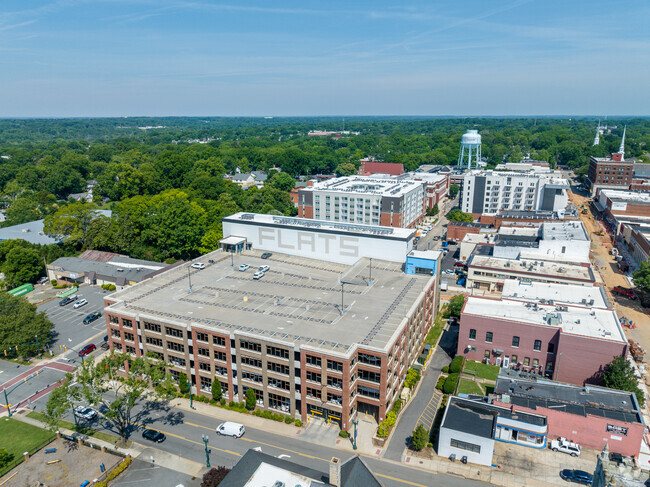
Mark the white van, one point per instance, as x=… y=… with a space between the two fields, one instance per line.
x=229 y=428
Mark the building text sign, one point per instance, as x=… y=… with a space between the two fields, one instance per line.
x=619 y=430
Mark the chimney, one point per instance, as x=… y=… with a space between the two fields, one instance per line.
x=335 y=472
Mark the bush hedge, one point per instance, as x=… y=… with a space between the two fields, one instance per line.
x=441 y=382
x=344 y=434
x=449 y=387
x=456 y=364
x=112 y=475
x=445 y=369
x=412 y=377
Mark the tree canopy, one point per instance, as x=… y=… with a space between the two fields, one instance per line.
x=20 y=324
x=456 y=215
x=642 y=277
x=619 y=374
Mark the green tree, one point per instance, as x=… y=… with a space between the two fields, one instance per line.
x=20 y=323
x=449 y=386
x=71 y=222
x=453 y=191
x=282 y=181
x=455 y=305
x=619 y=374
x=183 y=384
x=458 y=216
x=642 y=277
x=97 y=384
x=22 y=265
x=433 y=211
x=217 y=391
x=420 y=438
x=5 y=457
x=346 y=169
x=251 y=399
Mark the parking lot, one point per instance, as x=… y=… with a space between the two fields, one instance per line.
x=69 y=330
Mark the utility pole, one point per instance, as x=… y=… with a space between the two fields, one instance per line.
x=189 y=276
x=7 y=402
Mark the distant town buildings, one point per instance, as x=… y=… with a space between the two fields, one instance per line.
x=370 y=167
x=248 y=179
x=610 y=172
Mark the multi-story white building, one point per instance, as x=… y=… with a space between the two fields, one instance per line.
x=364 y=200
x=488 y=192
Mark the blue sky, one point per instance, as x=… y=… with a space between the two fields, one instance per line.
x=199 y=57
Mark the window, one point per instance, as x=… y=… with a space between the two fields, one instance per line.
x=551 y=348
x=335 y=398
x=513 y=359
x=220 y=356
x=334 y=382
x=174 y=332
x=311 y=392
x=205 y=352
x=202 y=337
x=280 y=384
x=252 y=376
x=116 y=333
x=156 y=355
x=368 y=392
x=204 y=366
x=206 y=383
x=220 y=370
x=549 y=366
x=278 y=402
x=526 y=361
x=537 y=346
x=365 y=358
x=311 y=360
x=472 y=334
x=279 y=368
x=130 y=350
x=488 y=336
x=177 y=347
x=254 y=346
x=220 y=341
x=535 y=362
x=486 y=354
x=154 y=341
x=128 y=336
x=313 y=376
x=117 y=346
x=152 y=327
x=127 y=323
x=253 y=362
x=371 y=376
x=334 y=365
x=113 y=319
x=277 y=351
x=515 y=342
x=463 y=445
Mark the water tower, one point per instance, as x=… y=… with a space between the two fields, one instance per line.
x=470 y=149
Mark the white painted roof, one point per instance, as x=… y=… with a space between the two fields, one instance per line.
x=558 y=293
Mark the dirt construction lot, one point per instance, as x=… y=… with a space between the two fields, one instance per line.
x=77 y=463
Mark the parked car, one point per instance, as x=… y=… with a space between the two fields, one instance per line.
x=565 y=446
x=266 y=255
x=243 y=267
x=68 y=300
x=198 y=265
x=448 y=271
x=462 y=281
x=258 y=275
x=43 y=280
x=85 y=413
x=577 y=476
x=229 y=428
x=92 y=317
x=458 y=263
x=263 y=268
x=623 y=291
x=80 y=303
x=87 y=349
x=153 y=435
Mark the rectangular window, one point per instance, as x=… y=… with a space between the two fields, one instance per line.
x=365 y=358
x=313 y=376
x=279 y=368
x=201 y=337
x=113 y=319
x=513 y=359
x=127 y=323
x=128 y=336
x=130 y=350
x=535 y=362
x=472 y=334
x=537 y=345
x=486 y=354
x=278 y=402
x=152 y=327
x=334 y=382
x=220 y=356
x=371 y=376
x=177 y=347
x=463 y=445
x=252 y=376
x=277 y=351
x=515 y=341
x=488 y=336
x=154 y=341
x=334 y=398
x=174 y=332
x=116 y=333
x=526 y=361
x=334 y=365
x=205 y=352
x=220 y=341
x=549 y=366
x=280 y=384
x=204 y=366
x=206 y=383
x=368 y=392
x=311 y=360
x=551 y=348
x=220 y=370
x=248 y=345
x=253 y=362
x=312 y=392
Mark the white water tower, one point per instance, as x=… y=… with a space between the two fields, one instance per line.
x=470 y=149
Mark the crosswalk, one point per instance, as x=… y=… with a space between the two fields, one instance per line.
x=429 y=414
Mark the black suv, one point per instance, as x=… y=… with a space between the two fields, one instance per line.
x=155 y=436
x=92 y=317
x=68 y=300
x=266 y=255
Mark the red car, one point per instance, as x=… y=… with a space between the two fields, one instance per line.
x=87 y=349
x=622 y=291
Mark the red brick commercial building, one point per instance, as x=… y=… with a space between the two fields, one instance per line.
x=456 y=231
x=301 y=356
x=369 y=167
x=588 y=415
x=611 y=172
x=566 y=343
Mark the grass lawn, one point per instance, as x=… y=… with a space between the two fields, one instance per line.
x=484 y=371
x=436 y=329
x=469 y=387
x=17 y=437
x=100 y=435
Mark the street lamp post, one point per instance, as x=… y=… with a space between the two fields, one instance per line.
x=207 y=452
x=7 y=402
x=355 y=422
x=191 y=401
x=76 y=424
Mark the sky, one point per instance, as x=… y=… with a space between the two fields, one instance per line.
x=87 y=58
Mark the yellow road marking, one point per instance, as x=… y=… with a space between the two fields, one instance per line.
x=191 y=441
x=398 y=480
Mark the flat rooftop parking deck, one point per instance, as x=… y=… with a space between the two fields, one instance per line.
x=298 y=300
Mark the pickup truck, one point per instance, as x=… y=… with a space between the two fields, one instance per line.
x=622 y=291
x=565 y=446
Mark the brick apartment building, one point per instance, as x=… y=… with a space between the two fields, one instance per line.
x=365 y=200
x=368 y=167
x=564 y=342
x=611 y=172
x=284 y=335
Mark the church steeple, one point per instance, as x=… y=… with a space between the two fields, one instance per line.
x=621 y=149
x=597 y=138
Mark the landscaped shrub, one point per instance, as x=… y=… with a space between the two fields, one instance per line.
x=445 y=369
x=217 y=391
x=298 y=423
x=383 y=431
x=183 y=385
x=441 y=382
x=109 y=287
x=222 y=401
x=289 y=419
x=397 y=406
x=344 y=434
x=412 y=377
x=456 y=364
x=450 y=384
x=420 y=438
x=251 y=399
x=115 y=472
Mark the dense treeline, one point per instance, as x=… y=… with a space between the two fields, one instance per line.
x=168 y=193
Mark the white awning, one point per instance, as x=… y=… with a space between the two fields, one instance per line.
x=232 y=240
